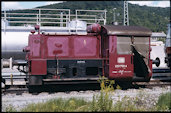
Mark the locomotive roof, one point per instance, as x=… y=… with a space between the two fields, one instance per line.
x=127 y=30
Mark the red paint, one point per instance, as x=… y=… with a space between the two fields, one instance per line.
x=57 y=44
x=34 y=46
x=38 y=67
x=71 y=46
x=85 y=47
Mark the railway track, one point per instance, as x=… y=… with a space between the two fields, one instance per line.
x=19 y=89
x=14 y=89
x=152 y=83
x=160 y=77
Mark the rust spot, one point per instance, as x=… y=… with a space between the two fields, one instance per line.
x=36 y=41
x=57 y=52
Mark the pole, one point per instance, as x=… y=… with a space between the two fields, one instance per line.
x=126 y=17
x=114 y=17
x=11 y=76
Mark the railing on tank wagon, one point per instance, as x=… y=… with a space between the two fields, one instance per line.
x=50 y=18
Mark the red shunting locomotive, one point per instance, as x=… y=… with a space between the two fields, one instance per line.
x=117 y=52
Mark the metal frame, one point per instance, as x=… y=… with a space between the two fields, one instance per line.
x=126 y=16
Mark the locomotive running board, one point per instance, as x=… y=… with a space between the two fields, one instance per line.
x=72 y=81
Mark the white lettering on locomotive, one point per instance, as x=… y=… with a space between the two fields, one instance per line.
x=120 y=66
x=121 y=72
x=79 y=62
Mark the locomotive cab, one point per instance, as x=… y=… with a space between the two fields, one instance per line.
x=127 y=53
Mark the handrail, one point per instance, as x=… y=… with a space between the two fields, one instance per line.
x=96 y=19
x=32 y=18
x=38 y=16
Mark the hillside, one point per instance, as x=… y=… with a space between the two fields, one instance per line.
x=154 y=18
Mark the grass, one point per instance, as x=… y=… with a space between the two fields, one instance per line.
x=58 y=105
x=164 y=102
x=126 y=104
x=100 y=103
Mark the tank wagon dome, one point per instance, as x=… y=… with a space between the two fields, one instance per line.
x=126 y=30
x=75 y=23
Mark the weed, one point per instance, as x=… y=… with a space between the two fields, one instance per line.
x=106 y=84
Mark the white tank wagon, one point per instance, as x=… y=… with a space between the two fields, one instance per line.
x=168 y=47
x=13 y=42
x=157 y=54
